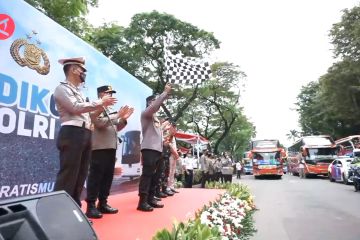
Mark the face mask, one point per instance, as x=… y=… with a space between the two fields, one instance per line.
x=82 y=77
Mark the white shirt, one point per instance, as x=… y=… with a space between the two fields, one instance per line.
x=238 y=166
x=188 y=162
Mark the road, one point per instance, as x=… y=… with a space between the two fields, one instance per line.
x=304 y=209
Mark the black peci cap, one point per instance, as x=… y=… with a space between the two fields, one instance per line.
x=150 y=98
x=106 y=88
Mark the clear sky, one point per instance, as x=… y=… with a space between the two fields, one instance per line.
x=279 y=44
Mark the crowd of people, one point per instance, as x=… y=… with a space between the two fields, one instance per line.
x=88 y=139
x=212 y=168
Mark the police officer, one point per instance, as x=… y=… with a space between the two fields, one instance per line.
x=151 y=149
x=74 y=139
x=103 y=157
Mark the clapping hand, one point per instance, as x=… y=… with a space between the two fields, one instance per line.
x=125 y=112
x=108 y=100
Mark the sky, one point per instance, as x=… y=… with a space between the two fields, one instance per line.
x=281 y=45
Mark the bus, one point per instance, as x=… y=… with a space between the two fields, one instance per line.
x=267 y=158
x=247 y=163
x=316 y=151
x=349 y=146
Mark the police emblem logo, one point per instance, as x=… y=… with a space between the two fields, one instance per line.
x=28 y=54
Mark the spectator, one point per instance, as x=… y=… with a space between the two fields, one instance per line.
x=189 y=168
x=238 y=170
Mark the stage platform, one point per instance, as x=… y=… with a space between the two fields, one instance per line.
x=131 y=224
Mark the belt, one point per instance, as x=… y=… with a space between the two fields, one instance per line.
x=77 y=123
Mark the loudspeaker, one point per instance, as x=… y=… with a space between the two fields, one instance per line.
x=50 y=216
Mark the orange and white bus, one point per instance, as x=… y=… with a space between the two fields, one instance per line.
x=316 y=151
x=266 y=156
x=349 y=146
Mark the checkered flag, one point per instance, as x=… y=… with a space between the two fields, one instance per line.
x=185 y=70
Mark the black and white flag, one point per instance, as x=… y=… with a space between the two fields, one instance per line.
x=185 y=70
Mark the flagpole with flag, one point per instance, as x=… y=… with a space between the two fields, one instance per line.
x=184 y=70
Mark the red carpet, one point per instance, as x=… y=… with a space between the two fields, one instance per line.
x=130 y=224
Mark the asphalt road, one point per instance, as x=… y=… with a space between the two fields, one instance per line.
x=304 y=209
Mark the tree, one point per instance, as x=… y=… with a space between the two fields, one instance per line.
x=141 y=53
x=107 y=38
x=215 y=111
x=331 y=106
x=68 y=13
x=293 y=135
x=237 y=141
x=309 y=108
x=345 y=35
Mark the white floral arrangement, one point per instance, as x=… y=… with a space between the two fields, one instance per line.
x=227 y=214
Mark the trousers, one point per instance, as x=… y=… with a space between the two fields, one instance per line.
x=74 y=144
x=101 y=175
x=148 y=178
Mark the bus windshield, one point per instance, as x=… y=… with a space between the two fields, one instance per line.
x=320 y=153
x=267 y=158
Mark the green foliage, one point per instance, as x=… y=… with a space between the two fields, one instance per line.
x=248 y=229
x=178 y=184
x=192 y=230
x=197 y=176
x=309 y=108
x=216 y=114
x=240 y=191
x=139 y=50
x=142 y=55
x=68 y=13
x=106 y=38
x=345 y=35
x=332 y=105
x=236 y=142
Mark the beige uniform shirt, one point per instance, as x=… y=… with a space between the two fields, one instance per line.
x=72 y=107
x=106 y=126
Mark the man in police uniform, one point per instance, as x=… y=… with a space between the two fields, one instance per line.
x=151 y=149
x=103 y=156
x=74 y=139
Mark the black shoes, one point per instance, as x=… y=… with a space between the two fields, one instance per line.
x=145 y=207
x=161 y=195
x=155 y=204
x=169 y=192
x=105 y=208
x=93 y=212
x=157 y=199
x=173 y=190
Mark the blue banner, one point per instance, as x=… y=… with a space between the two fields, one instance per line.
x=30 y=46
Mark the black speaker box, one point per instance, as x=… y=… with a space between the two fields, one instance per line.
x=51 y=216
